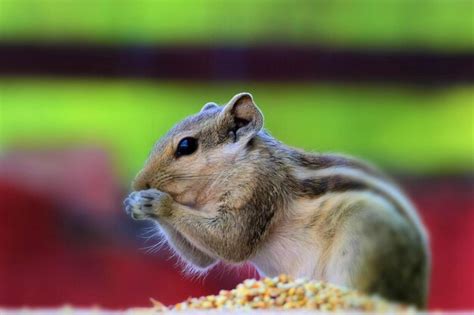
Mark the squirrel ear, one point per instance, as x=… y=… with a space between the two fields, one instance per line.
x=246 y=117
x=209 y=106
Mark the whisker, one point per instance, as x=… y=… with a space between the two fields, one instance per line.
x=155 y=247
x=162 y=178
x=149 y=232
x=200 y=176
x=193 y=177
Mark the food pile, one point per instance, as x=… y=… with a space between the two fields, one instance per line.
x=285 y=293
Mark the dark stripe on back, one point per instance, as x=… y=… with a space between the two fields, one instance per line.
x=335 y=183
x=318 y=186
x=321 y=161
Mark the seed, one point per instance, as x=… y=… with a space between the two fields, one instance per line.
x=283 y=292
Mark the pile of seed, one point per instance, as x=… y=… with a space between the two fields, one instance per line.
x=285 y=293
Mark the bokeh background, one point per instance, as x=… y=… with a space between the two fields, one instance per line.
x=86 y=87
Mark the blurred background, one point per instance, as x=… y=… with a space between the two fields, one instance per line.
x=87 y=87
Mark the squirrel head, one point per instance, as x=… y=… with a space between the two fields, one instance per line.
x=202 y=150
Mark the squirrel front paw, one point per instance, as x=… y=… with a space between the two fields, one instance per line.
x=146 y=204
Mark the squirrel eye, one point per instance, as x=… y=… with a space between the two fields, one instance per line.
x=186 y=146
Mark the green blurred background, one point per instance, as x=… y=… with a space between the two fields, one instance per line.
x=400 y=128
x=403 y=24
x=388 y=81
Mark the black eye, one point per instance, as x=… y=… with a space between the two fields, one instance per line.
x=186 y=146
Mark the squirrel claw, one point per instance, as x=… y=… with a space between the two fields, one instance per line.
x=141 y=205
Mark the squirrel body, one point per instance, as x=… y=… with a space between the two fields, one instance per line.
x=220 y=188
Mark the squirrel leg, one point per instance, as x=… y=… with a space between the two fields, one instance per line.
x=145 y=205
x=378 y=253
x=224 y=234
x=185 y=249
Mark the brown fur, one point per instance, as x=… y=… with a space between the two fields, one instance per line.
x=245 y=196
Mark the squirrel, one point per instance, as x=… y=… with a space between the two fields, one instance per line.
x=221 y=188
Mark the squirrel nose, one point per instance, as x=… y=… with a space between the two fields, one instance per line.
x=136 y=186
x=140 y=183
